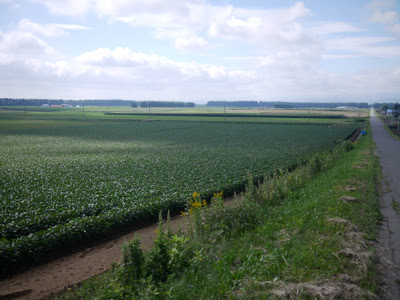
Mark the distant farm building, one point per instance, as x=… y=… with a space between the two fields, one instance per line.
x=345 y=107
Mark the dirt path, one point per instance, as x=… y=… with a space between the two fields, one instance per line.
x=388 y=151
x=53 y=277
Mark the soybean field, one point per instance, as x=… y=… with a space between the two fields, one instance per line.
x=65 y=184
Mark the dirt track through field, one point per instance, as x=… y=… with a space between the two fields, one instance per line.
x=53 y=277
x=388 y=151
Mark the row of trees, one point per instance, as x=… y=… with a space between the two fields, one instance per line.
x=395 y=109
x=162 y=104
x=279 y=104
x=39 y=102
x=92 y=102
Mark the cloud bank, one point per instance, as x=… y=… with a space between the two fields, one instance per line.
x=286 y=50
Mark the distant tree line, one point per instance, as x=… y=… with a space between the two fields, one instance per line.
x=91 y=102
x=162 y=104
x=39 y=102
x=234 y=103
x=285 y=106
x=383 y=104
x=394 y=107
x=280 y=104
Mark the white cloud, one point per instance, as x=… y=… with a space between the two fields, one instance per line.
x=376 y=82
x=266 y=27
x=381 y=4
x=338 y=56
x=196 y=18
x=291 y=60
x=125 y=7
x=283 y=54
x=381 y=15
x=71 y=26
x=48 y=30
x=134 y=64
x=122 y=73
x=11 y=3
x=179 y=22
x=117 y=8
x=22 y=45
x=366 y=46
x=191 y=44
x=387 y=17
x=183 y=39
x=67 y=7
x=395 y=30
x=326 y=28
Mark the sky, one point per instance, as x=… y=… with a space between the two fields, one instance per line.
x=199 y=50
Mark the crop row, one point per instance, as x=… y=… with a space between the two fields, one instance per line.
x=65 y=184
x=236 y=115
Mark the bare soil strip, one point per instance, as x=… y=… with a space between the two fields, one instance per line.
x=55 y=276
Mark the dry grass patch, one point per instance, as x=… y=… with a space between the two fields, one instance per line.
x=357 y=182
x=353 y=251
x=361 y=164
x=354 y=247
x=359 y=167
x=344 y=222
x=348 y=188
x=318 y=289
x=349 y=199
x=284 y=236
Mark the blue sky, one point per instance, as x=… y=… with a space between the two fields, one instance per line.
x=198 y=50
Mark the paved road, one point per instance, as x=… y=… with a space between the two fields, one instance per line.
x=388 y=151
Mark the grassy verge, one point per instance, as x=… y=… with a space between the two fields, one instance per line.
x=393 y=134
x=390 y=131
x=305 y=234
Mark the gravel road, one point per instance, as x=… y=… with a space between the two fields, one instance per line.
x=388 y=151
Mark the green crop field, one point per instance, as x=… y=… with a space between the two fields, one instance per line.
x=63 y=184
x=207 y=114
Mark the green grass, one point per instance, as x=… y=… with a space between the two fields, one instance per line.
x=396 y=206
x=32 y=123
x=100 y=114
x=394 y=135
x=307 y=243
x=297 y=244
